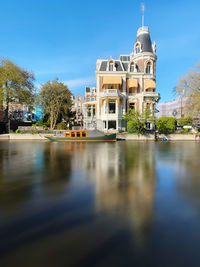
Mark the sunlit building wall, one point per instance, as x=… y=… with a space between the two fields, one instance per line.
x=126 y=83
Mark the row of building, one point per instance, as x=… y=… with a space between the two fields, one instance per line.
x=21 y=112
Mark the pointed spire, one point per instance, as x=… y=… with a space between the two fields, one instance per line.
x=143 y=9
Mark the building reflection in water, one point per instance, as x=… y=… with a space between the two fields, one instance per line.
x=124 y=177
x=30 y=171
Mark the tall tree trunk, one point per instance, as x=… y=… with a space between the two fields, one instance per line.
x=6 y=117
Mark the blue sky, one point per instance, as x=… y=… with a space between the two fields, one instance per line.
x=61 y=38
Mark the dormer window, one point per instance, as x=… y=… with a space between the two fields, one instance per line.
x=132 y=68
x=111 y=66
x=148 y=67
x=137 y=49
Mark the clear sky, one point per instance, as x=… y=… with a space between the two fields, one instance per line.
x=62 y=38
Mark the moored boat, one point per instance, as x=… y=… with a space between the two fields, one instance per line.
x=80 y=136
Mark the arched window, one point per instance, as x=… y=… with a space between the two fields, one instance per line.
x=148 y=67
x=111 y=66
x=132 y=67
x=137 y=49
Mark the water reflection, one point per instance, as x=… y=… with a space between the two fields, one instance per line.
x=124 y=177
x=81 y=204
x=28 y=170
x=185 y=159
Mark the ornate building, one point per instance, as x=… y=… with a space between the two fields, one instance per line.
x=89 y=108
x=127 y=82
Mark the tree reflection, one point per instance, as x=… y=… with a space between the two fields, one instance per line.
x=56 y=168
x=187 y=175
x=29 y=169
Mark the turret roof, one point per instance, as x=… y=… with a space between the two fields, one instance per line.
x=143 y=36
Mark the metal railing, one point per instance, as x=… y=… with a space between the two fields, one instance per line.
x=111 y=92
x=151 y=94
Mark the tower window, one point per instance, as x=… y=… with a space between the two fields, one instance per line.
x=137 y=49
x=132 y=67
x=148 y=68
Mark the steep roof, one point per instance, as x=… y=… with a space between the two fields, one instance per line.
x=143 y=36
x=145 y=41
x=118 y=66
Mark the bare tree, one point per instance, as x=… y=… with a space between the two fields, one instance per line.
x=189 y=86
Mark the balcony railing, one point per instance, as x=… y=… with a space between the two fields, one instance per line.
x=151 y=94
x=111 y=92
x=132 y=94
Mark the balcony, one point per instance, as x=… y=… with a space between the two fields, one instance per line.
x=132 y=94
x=152 y=95
x=111 y=92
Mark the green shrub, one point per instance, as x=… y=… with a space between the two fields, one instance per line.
x=166 y=125
x=17 y=131
x=61 y=126
x=34 y=132
x=186 y=130
x=131 y=127
x=185 y=121
x=136 y=127
x=40 y=123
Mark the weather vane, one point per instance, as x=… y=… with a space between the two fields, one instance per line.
x=143 y=9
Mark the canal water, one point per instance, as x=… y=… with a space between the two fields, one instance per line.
x=99 y=204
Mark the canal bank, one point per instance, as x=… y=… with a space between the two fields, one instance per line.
x=17 y=136
x=120 y=136
x=151 y=137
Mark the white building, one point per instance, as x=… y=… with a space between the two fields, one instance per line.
x=127 y=82
x=174 y=108
x=89 y=108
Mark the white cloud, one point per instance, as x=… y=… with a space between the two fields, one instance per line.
x=80 y=82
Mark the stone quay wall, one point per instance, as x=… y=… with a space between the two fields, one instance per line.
x=151 y=137
x=120 y=136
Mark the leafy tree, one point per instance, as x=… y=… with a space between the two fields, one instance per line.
x=136 y=121
x=185 y=121
x=189 y=86
x=55 y=98
x=16 y=84
x=166 y=125
x=61 y=126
